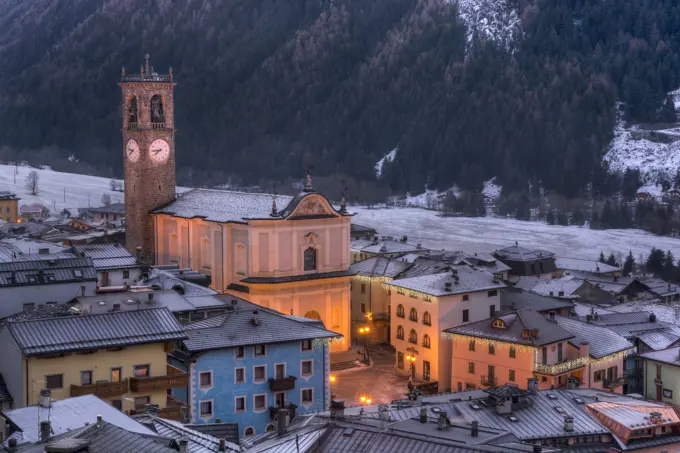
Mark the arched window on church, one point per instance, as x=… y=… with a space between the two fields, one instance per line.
x=310 y=259
x=132 y=113
x=173 y=248
x=240 y=259
x=157 y=113
x=206 y=256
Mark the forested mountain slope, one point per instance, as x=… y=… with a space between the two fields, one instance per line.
x=519 y=89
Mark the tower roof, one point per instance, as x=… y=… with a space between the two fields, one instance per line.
x=146 y=73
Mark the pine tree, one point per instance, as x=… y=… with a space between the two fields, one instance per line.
x=629 y=265
x=611 y=260
x=602 y=259
x=655 y=261
x=668 y=269
x=550 y=217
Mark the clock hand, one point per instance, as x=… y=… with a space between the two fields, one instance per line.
x=156 y=151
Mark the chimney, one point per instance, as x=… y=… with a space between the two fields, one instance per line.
x=474 y=428
x=655 y=417
x=45 y=429
x=12 y=445
x=282 y=422
x=584 y=349
x=443 y=422
x=183 y=444
x=149 y=299
x=552 y=316
x=45 y=398
x=532 y=385
x=382 y=412
x=423 y=415
x=82 y=290
x=652 y=317
x=338 y=408
x=568 y=423
x=447 y=286
x=223 y=446
x=100 y=421
x=538 y=448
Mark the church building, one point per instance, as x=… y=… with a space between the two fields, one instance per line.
x=290 y=254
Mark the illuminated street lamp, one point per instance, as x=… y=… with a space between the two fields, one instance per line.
x=411 y=358
x=332 y=378
x=364 y=331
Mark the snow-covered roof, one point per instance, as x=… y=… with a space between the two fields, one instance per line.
x=517 y=253
x=591 y=266
x=565 y=287
x=459 y=280
x=384 y=246
x=602 y=341
x=669 y=356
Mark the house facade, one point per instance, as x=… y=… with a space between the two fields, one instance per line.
x=662 y=375
x=294 y=260
x=95 y=354
x=115 y=266
x=422 y=306
x=275 y=362
x=9 y=207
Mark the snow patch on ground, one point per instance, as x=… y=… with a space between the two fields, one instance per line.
x=491 y=190
x=493 y=20
x=654 y=160
x=61 y=190
x=389 y=157
x=486 y=234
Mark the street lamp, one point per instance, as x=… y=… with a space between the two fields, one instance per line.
x=332 y=378
x=363 y=331
x=411 y=360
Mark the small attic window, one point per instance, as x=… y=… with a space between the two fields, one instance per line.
x=560 y=410
x=579 y=401
x=512 y=418
x=498 y=323
x=78 y=273
x=475 y=407
x=552 y=396
x=101 y=303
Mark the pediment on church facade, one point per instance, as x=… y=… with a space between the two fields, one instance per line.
x=311 y=205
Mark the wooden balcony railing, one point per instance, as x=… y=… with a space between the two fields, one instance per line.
x=282 y=385
x=613 y=383
x=105 y=390
x=150 y=384
x=489 y=381
x=158 y=125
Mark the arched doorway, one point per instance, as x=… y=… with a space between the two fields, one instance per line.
x=313 y=314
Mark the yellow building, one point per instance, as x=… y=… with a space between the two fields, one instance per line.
x=525 y=345
x=662 y=375
x=121 y=357
x=9 y=207
x=290 y=254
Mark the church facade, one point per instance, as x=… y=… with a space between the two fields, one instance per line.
x=290 y=254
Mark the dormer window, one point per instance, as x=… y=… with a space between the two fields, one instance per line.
x=310 y=259
x=78 y=273
x=500 y=324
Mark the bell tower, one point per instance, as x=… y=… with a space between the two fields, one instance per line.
x=148 y=153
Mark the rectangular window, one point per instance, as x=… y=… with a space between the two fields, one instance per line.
x=260 y=350
x=141 y=402
x=240 y=375
x=597 y=376
x=492 y=348
x=259 y=373
x=205 y=379
x=511 y=375
x=363 y=288
x=513 y=352
x=28 y=306
x=307 y=396
x=126 y=274
x=363 y=308
x=559 y=352
x=492 y=293
x=307 y=368
x=544 y=355
x=400 y=360
x=466 y=297
x=492 y=311
x=459 y=386
x=658 y=371
x=471 y=367
x=54 y=381
x=259 y=402
x=118 y=404
x=196 y=316
x=471 y=345
x=206 y=408
x=85 y=377
x=116 y=374
x=466 y=315
x=240 y=352
x=426 y=370
x=240 y=404
x=141 y=370
x=280 y=370
x=306 y=345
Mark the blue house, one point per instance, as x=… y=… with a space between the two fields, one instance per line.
x=249 y=362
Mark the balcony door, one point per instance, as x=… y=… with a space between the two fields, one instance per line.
x=281 y=371
x=280 y=399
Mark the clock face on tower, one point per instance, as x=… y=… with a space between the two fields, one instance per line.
x=132 y=150
x=159 y=150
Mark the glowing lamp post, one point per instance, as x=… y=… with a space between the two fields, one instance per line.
x=364 y=331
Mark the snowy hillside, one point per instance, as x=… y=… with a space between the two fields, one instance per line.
x=389 y=157
x=653 y=159
x=495 y=20
x=60 y=190
x=486 y=234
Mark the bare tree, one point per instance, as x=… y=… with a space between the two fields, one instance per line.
x=113 y=184
x=31 y=182
x=106 y=199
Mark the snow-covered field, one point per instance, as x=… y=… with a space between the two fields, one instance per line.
x=63 y=190
x=487 y=234
x=420 y=225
